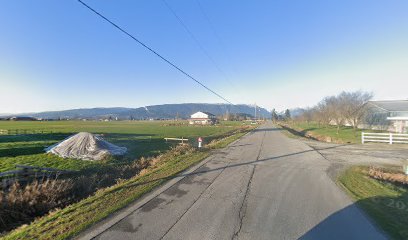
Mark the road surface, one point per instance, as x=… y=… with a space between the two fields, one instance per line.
x=265 y=186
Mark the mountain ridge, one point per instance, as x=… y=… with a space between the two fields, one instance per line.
x=162 y=111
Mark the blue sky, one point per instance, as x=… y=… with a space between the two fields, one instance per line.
x=280 y=54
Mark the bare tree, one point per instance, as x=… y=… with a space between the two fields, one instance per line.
x=355 y=106
x=335 y=110
x=321 y=113
x=376 y=119
x=346 y=107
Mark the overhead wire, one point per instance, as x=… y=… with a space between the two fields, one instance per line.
x=195 y=39
x=211 y=25
x=153 y=51
x=217 y=36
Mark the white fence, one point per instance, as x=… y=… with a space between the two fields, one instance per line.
x=384 y=137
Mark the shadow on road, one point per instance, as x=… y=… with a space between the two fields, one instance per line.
x=300 y=133
x=267 y=130
x=198 y=171
x=349 y=222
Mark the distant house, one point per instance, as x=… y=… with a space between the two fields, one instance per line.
x=203 y=118
x=392 y=115
x=22 y=119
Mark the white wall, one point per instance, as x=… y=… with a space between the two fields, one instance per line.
x=199 y=115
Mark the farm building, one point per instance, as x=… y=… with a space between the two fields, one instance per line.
x=19 y=118
x=389 y=115
x=203 y=118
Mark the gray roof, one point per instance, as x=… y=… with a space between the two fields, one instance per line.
x=392 y=106
x=209 y=114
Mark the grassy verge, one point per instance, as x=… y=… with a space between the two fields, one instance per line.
x=325 y=133
x=384 y=202
x=69 y=221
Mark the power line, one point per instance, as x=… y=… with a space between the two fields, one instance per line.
x=211 y=26
x=190 y=33
x=217 y=36
x=153 y=51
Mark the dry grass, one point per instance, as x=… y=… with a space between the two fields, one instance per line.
x=384 y=175
x=23 y=203
x=20 y=203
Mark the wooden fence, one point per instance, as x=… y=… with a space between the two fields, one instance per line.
x=24 y=131
x=384 y=137
x=182 y=140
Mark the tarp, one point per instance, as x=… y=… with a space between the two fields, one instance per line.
x=85 y=146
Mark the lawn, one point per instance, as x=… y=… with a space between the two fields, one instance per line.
x=345 y=135
x=142 y=138
x=385 y=203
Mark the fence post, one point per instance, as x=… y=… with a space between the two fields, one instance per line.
x=390 y=138
x=362 y=137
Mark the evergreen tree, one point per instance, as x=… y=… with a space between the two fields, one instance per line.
x=274 y=115
x=287 y=114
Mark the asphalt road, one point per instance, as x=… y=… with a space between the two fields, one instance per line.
x=265 y=186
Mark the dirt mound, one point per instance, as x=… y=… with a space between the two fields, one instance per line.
x=85 y=146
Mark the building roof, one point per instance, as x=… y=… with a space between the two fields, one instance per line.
x=206 y=113
x=392 y=106
x=209 y=114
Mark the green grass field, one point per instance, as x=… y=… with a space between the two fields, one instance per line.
x=346 y=134
x=386 y=203
x=69 y=221
x=142 y=138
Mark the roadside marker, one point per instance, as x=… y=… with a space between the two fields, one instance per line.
x=200 y=140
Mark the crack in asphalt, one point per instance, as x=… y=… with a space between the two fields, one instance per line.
x=242 y=209
x=199 y=197
x=244 y=204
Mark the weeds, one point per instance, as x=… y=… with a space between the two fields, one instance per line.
x=24 y=202
x=20 y=203
x=394 y=177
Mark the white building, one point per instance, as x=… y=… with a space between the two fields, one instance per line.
x=202 y=118
x=393 y=114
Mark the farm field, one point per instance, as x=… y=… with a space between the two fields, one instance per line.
x=148 y=158
x=142 y=138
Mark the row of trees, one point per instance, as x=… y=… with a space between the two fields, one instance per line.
x=344 y=108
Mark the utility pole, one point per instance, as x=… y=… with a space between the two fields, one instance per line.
x=255 y=111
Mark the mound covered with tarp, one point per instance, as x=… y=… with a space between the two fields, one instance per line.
x=85 y=146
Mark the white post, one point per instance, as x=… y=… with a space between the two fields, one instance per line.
x=390 y=138
x=255 y=111
x=199 y=142
x=406 y=167
x=362 y=137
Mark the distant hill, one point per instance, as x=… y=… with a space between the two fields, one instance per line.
x=165 y=111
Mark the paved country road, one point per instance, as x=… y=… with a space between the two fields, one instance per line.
x=264 y=186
